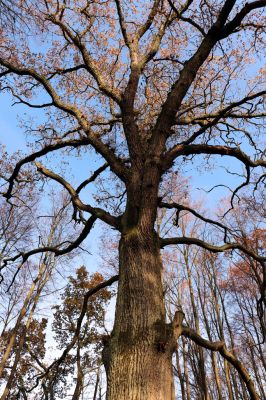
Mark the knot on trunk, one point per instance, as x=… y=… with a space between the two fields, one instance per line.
x=177 y=323
x=166 y=341
x=171 y=333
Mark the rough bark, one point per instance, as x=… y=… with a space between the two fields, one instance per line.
x=138 y=356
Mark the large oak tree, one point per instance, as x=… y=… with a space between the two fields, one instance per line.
x=150 y=86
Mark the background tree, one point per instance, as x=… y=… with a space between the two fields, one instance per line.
x=148 y=87
x=85 y=355
x=27 y=352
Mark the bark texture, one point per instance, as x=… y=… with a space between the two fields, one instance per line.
x=138 y=355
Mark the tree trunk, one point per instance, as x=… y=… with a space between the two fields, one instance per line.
x=96 y=385
x=138 y=356
x=80 y=377
x=180 y=375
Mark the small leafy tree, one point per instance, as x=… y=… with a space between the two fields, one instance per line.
x=28 y=353
x=86 y=354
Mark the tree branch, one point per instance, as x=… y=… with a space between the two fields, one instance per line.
x=97 y=212
x=115 y=163
x=223 y=113
x=210 y=247
x=32 y=157
x=145 y=27
x=185 y=150
x=231 y=26
x=189 y=20
x=52 y=249
x=221 y=348
x=92 y=177
x=180 y=207
x=179 y=89
x=187 y=75
x=90 y=65
x=122 y=23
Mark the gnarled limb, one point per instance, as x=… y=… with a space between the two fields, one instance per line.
x=32 y=157
x=180 y=207
x=57 y=250
x=211 y=247
x=95 y=211
x=191 y=149
x=115 y=163
x=225 y=353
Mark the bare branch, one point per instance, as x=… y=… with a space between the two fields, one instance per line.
x=221 y=348
x=32 y=157
x=233 y=25
x=97 y=212
x=92 y=177
x=211 y=247
x=52 y=249
x=180 y=207
x=185 y=150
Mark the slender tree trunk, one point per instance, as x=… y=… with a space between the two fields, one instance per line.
x=216 y=376
x=21 y=342
x=9 y=384
x=202 y=381
x=26 y=304
x=21 y=315
x=228 y=381
x=138 y=357
x=80 y=377
x=96 y=385
x=180 y=375
x=186 y=371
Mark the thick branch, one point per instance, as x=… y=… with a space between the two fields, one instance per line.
x=221 y=348
x=187 y=75
x=97 y=212
x=180 y=207
x=231 y=26
x=175 y=97
x=185 y=150
x=211 y=247
x=45 y=150
x=116 y=164
x=54 y=249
